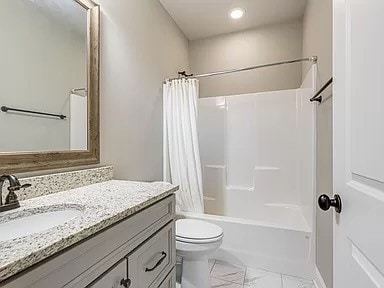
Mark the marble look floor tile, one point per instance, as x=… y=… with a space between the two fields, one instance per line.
x=228 y=272
x=293 y=282
x=217 y=283
x=255 y=278
x=211 y=262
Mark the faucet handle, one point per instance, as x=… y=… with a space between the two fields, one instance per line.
x=18 y=187
x=25 y=186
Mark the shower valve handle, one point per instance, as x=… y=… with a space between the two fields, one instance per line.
x=325 y=203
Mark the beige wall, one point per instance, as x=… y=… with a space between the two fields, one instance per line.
x=317 y=40
x=251 y=47
x=317 y=37
x=140 y=47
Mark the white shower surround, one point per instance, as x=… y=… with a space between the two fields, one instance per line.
x=257 y=152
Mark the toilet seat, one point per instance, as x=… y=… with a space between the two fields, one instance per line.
x=197 y=231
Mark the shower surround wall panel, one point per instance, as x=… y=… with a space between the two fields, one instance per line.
x=257 y=153
x=212 y=140
x=254 y=156
x=307 y=144
x=261 y=151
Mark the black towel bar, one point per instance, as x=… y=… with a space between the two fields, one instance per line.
x=6 y=109
x=318 y=96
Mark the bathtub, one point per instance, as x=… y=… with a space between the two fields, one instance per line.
x=279 y=241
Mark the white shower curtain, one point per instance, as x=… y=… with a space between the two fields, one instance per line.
x=181 y=148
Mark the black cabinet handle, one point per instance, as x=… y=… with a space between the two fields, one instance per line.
x=125 y=283
x=164 y=255
x=325 y=203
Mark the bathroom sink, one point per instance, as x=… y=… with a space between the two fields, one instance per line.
x=26 y=222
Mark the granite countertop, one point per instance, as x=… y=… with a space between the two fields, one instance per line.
x=101 y=205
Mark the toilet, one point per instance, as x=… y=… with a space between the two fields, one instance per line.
x=195 y=240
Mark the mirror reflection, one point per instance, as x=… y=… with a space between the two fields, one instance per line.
x=43 y=75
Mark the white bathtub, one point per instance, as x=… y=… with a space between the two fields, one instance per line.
x=279 y=242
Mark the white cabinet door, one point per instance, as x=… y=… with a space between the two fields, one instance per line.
x=116 y=277
x=359 y=143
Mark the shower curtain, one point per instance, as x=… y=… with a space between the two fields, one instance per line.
x=181 y=148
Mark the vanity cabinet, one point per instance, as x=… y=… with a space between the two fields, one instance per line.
x=116 y=277
x=170 y=281
x=137 y=252
x=148 y=265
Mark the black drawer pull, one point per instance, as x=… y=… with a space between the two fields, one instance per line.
x=164 y=255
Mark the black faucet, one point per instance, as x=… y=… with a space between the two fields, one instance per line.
x=11 y=201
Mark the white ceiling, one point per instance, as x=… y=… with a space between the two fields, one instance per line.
x=206 y=18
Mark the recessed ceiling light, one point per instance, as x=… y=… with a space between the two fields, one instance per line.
x=237 y=13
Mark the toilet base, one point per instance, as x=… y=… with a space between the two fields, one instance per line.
x=195 y=240
x=195 y=272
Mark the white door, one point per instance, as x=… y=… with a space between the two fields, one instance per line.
x=359 y=143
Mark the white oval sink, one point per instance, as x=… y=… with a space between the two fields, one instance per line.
x=25 y=223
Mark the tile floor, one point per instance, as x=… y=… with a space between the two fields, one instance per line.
x=235 y=276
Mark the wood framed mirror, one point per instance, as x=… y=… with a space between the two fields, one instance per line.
x=49 y=95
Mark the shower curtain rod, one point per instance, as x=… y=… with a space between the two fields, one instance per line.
x=312 y=59
x=74 y=90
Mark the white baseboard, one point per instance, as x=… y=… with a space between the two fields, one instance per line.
x=319 y=281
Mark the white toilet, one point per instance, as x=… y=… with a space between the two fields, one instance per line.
x=196 y=239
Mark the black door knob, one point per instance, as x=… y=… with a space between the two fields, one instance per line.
x=325 y=203
x=125 y=283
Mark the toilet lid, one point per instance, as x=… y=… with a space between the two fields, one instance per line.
x=191 y=229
